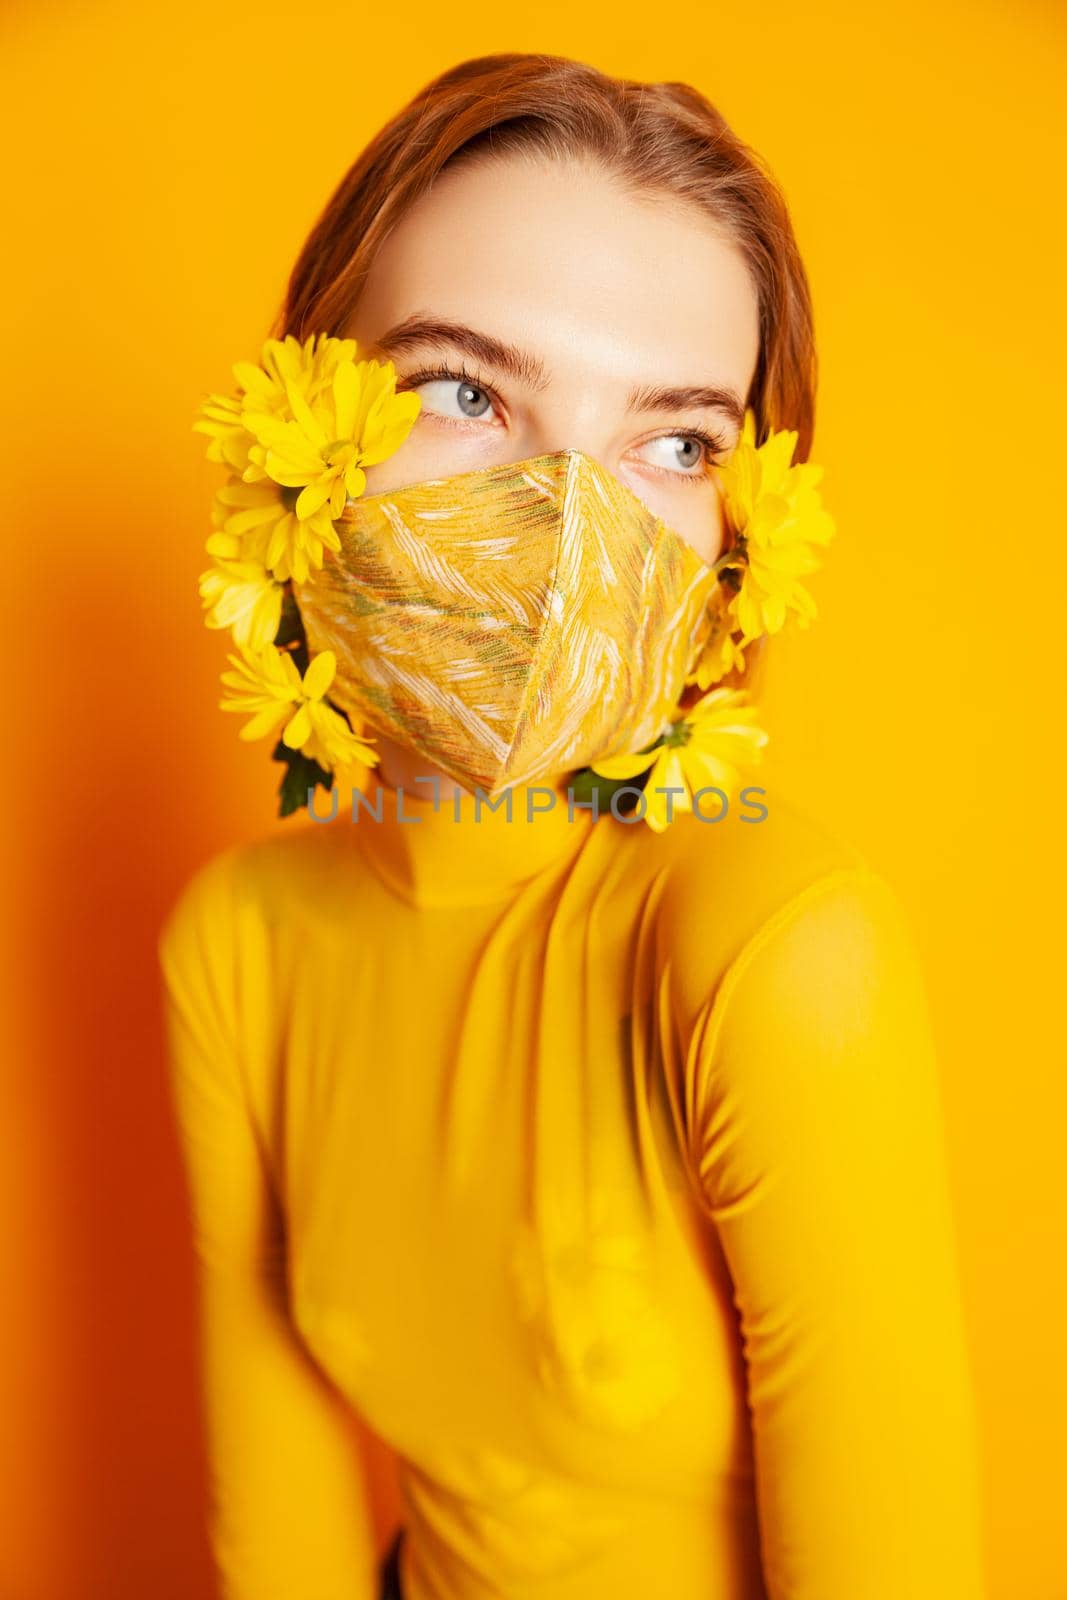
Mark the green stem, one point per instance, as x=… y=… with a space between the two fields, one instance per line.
x=730 y=558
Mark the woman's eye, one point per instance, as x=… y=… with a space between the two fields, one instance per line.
x=683 y=453
x=451 y=397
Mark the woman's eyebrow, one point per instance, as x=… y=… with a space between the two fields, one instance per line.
x=415 y=332
x=712 y=397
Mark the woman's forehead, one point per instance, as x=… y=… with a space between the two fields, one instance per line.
x=562 y=260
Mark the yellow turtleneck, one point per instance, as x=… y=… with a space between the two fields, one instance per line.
x=602 y=1173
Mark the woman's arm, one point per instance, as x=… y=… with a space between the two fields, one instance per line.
x=288 y=1518
x=816 y=1134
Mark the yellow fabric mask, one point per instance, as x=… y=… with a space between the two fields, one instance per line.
x=510 y=623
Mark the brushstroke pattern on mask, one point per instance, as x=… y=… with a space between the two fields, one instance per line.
x=510 y=623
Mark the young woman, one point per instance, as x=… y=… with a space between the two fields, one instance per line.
x=599 y=1168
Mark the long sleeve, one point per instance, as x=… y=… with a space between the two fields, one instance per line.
x=817 y=1140
x=288 y=1514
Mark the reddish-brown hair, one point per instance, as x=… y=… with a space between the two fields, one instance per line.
x=660 y=137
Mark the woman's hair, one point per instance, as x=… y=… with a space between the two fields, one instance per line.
x=664 y=138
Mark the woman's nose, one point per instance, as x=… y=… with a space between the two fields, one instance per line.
x=577 y=430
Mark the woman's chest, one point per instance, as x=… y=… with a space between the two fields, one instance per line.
x=492 y=1240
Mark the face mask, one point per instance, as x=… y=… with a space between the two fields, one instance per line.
x=510 y=623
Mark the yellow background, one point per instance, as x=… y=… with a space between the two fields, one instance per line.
x=166 y=164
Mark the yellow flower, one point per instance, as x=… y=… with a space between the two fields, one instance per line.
x=721 y=651
x=352 y=421
x=267 y=684
x=240 y=594
x=220 y=416
x=284 y=363
x=297 y=436
x=323 y=734
x=777 y=514
x=707 y=745
x=261 y=515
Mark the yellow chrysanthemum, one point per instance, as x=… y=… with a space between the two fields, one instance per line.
x=323 y=734
x=351 y=422
x=777 y=513
x=263 y=389
x=297 y=436
x=706 y=746
x=261 y=515
x=721 y=652
x=240 y=594
x=220 y=417
x=287 y=364
x=268 y=686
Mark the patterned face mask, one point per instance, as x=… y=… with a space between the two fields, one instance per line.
x=511 y=623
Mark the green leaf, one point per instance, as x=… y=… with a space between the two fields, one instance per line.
x=291 y=631
x=301 y=775
x=586 y=781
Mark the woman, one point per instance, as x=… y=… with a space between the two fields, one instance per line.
x=598 y=1167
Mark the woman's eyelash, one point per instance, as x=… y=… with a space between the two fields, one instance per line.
x=714 y=443
x=458 y=374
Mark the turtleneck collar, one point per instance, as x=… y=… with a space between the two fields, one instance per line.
x=457 y=849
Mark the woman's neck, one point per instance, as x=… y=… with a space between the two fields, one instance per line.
x=400 y=768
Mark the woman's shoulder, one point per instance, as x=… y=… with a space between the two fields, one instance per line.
x=737 y=873
x=266 y=877
x=728 y=885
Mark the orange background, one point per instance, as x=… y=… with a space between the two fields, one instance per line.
x=166 y=164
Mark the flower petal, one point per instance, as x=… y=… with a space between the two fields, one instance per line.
x=625 y=766
x=311 y=499
x=297 y=729
x=320 y=674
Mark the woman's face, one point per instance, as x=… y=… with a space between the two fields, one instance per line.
x=543 y=307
